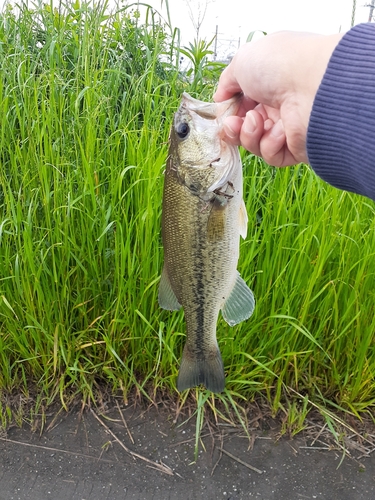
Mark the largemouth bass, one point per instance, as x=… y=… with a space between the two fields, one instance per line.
x=203 y=218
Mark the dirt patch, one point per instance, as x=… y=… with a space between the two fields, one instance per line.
x=130 y=452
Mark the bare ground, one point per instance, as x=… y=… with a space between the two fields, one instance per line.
x=137 y=452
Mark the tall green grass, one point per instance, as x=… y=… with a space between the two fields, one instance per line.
x=86 y=103
x=310 y=256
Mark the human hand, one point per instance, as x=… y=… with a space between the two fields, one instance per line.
x=279 y=76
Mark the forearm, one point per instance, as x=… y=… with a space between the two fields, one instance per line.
x=341 y=130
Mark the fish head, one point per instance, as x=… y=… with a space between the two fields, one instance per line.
x=199 y=155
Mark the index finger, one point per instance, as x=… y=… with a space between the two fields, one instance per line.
x=228 y=86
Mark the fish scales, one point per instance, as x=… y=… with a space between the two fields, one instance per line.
x=203 y=214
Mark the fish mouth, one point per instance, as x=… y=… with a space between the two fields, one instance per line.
x=206 y=114
x=203 y=116
x=212 y=110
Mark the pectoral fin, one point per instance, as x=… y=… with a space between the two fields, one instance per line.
x=240 y=303
x=167 y=298
x=216 y=224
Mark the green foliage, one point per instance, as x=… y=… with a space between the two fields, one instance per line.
x=251 y=35
x=310 y=257
x=86 y=102
x=202 y=71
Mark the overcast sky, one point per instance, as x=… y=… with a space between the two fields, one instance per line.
x=237 y=18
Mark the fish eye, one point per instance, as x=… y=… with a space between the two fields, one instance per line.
x=183 y=130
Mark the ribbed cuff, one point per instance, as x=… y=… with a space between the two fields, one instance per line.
x=341 y=131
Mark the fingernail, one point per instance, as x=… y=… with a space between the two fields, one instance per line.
x=278 y=129
x=229 y=131
x=250 y=124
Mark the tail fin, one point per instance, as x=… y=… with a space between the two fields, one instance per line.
x=194 y=371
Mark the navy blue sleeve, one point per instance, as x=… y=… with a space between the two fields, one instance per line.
x=341 y=131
